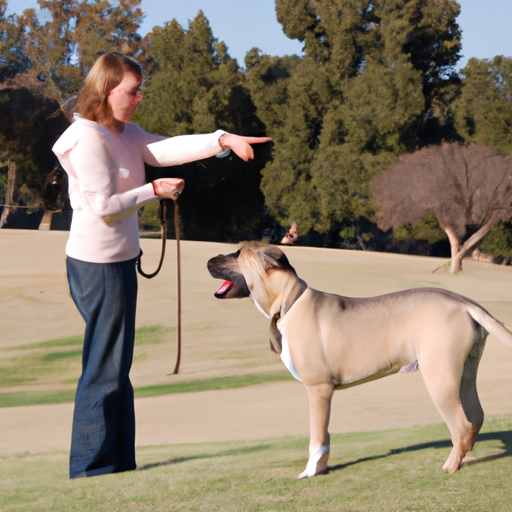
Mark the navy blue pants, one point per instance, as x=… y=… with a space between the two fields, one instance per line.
x=103 y=436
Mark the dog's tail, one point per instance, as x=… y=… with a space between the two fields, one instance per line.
x=489 y=323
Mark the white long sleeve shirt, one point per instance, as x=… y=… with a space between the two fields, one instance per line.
x=107 y=183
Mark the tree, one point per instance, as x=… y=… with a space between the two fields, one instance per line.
x=62 y=49
x=25 y=151
x=12 y=58
x=483 y=110
x=293 y=122
x=267 y=78
x=196 y=87
x=498 y=245
x=468 y=188
x=42 y=66
x=375 y=82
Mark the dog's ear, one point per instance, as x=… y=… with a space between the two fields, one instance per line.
x=276 y=344
x=273 y=257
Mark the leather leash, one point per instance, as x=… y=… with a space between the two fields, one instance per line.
x=162 y=213
x=178 y=281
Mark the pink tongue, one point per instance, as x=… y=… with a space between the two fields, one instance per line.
x=224 y=288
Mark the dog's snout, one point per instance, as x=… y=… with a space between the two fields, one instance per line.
x=225 y=266
x=213 y=265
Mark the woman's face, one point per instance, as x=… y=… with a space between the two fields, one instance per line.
x=125 y=97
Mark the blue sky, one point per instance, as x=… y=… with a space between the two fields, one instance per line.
x=244 y=24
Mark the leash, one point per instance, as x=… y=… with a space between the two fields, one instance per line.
x=162 y=213
x=178 y=281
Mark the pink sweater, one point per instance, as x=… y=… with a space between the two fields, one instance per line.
x=107 y=183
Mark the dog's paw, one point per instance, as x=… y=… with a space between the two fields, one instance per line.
x=317 y=463
x=306 y=474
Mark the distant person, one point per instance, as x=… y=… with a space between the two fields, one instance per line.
x=103 y=155
x=292 y=235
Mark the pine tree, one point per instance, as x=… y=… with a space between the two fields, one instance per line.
x=375 y=82
x=483 y=111
x=196 y=87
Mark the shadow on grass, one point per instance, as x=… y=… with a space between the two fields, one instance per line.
x=225 y=453
x=505 y=437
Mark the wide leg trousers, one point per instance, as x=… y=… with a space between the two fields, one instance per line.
x=103 y=435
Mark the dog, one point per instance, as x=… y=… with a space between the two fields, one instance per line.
x=331 y=342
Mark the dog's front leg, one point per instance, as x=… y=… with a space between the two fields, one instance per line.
x=320 y=397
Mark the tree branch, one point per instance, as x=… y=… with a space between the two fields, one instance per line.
x=476 y=238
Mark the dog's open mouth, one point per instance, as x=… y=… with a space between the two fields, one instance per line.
x=224 y=289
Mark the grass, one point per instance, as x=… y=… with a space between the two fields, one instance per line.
x=384 y=471
x=211 y=384
x=396 y=470
x=58 y=362
x=13 y=399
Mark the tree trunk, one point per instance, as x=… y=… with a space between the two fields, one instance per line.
x=456 y=259
x=476 y=239
x=460 y=251
x=9 y=194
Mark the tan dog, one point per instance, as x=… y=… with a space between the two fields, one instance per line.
x=331 y=342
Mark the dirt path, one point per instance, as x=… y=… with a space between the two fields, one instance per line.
x=228 y=338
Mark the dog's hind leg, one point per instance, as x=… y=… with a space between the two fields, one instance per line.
x=468 y=390
x=455 y=395
x=320 y=397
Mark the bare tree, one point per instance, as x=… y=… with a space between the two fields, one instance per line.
x=468 y=188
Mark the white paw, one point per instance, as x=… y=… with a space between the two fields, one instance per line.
x=317 y=463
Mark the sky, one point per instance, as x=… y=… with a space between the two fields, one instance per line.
x=245 y=24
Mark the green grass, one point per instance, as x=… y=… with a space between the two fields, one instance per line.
x=143 y=336
x=54 y=361
x=63 y=342
x=39 y=364
x=59 y=356
x=211 y=384
x=19 y=398
x=14 y=399
x=397 y=470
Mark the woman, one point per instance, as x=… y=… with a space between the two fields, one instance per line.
x=104 y=155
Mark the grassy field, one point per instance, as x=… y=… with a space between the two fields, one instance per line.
x=55 y=365
x=226 y=346
x=397 y=470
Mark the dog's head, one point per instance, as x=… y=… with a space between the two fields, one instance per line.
x=263 y=273
x=247 y=270
x=226 y=266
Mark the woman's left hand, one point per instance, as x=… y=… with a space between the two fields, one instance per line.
x=240 y=144
x=168 y=188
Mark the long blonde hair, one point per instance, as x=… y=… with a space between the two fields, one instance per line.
x=106 y=74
